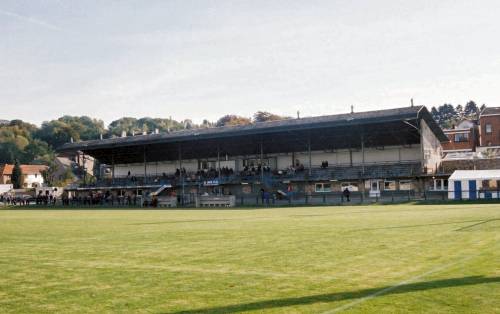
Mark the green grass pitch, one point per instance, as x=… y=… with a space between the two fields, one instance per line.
x=359 y=259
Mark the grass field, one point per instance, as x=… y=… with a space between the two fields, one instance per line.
x=373 y=259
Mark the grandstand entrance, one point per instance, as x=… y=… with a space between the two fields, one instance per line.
x=374 y=188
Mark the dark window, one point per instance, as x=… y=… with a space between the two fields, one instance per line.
x=461 y=137
x=488 y=128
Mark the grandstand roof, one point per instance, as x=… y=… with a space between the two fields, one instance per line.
x=379 y=128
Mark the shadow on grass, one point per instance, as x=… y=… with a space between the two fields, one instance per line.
x=477 y=222
x=342 y=296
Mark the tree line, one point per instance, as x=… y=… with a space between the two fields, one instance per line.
x=27 y=143
x=447 y=115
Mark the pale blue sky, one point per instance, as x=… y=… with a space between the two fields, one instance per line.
x=203 y=59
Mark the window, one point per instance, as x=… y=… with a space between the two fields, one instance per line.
x=490 y=185
x=389 y=185
x=489 y=128
x=461 y=137
x=486 y=184
x=353 y=187
x=405 y=185
x=323 y=187
x=440 y=185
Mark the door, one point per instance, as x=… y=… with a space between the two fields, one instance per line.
x=472 y=190
x=375 y=188
x=458 y=189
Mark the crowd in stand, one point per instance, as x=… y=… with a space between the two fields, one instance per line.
x=212 y=173
x=252 y=171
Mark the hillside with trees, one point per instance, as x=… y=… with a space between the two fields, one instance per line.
x=27 y=143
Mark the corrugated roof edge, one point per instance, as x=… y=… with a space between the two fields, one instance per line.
x=415 y=112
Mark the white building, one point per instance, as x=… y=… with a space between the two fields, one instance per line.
x=474 y=184
x=31 y=175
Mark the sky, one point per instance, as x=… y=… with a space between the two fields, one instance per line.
x=204 y=59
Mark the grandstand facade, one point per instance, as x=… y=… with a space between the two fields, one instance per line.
x=369 y=153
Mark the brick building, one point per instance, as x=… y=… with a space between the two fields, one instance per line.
x=463 y=138
x=489 y=127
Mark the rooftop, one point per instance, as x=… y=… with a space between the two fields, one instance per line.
x=6 y=169
x=309 y=123
x=492 y=174
x=489 y=111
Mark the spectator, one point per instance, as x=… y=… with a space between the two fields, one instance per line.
x=347 y=194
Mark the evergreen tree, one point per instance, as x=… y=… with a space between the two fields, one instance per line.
x=447 y=115
x=435 y=114
x=17 y=176
x=483 y=106
x=471 y=111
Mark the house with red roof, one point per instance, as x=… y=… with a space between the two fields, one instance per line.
x=31 y=175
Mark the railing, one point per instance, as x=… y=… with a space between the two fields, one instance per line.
x=268 y=199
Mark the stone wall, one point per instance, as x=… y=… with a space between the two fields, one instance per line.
x=448 y=166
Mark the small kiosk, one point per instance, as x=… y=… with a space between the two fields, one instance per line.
x=474 y=184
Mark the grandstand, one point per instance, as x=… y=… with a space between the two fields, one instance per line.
x=368 y=153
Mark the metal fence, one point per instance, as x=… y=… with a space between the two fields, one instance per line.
x=270 y=200
x=338 y=198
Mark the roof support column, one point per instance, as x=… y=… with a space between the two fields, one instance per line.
x=310 y=154
x=362 y=152
x=181 y=174
x=112 y=167
x=218 y=160
x=261 y=160
x=145 y=165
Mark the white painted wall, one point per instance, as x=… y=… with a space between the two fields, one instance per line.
x=5 y=188
x=31 y=179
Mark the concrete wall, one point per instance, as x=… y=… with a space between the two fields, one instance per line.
x=448 y=166
x=431 y=148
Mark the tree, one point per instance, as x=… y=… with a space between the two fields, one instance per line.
x=471 y=111
x=459 y=112
x=146 y=124
x=229 y=120
x=17 y=143
x=17 y=176
x=207 y=124
x=61 y=131
x=263 y=116
x=483 y=106
x=446 y=115
x=435 y=114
